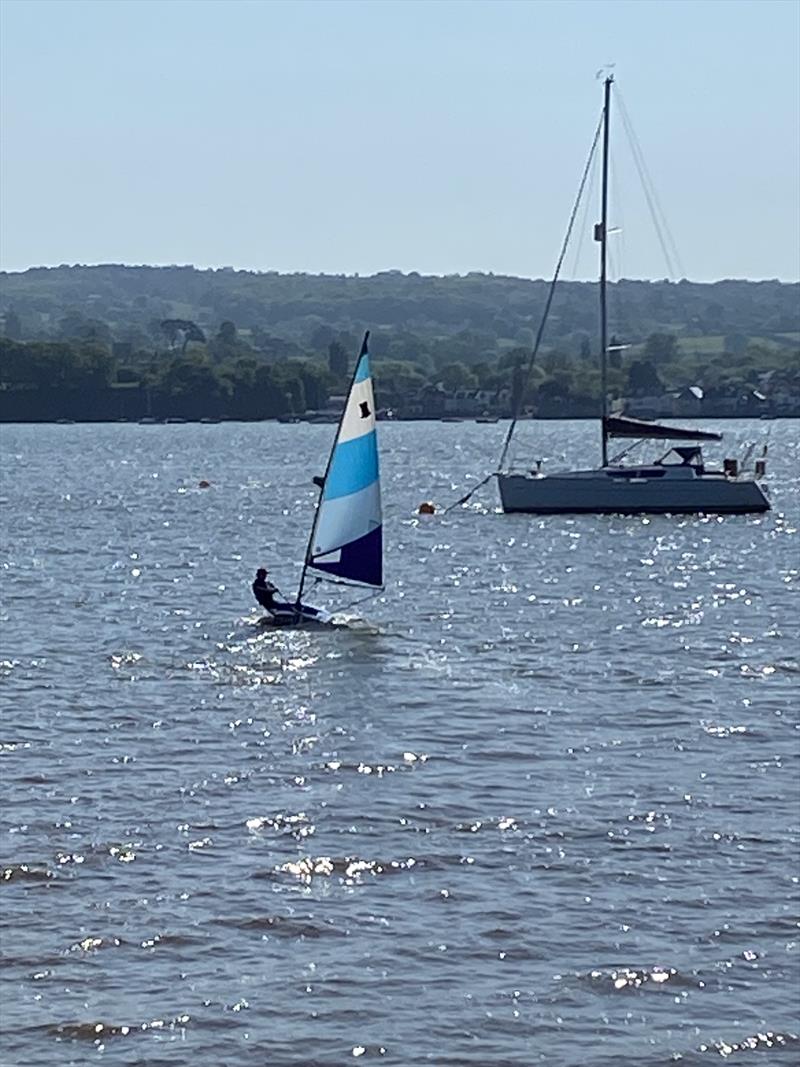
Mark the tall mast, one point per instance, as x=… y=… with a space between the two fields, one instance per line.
x=601 y=235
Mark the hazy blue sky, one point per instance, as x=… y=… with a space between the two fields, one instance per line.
x=441 y=137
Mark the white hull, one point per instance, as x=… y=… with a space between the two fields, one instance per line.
x=669 y=489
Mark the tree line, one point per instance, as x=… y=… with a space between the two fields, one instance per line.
x=222 y=377
x=87 y=338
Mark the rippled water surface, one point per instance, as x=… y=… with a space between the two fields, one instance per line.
x=540 y=805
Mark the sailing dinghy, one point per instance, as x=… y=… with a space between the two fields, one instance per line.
x=346 y=541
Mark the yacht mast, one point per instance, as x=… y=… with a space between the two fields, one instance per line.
x=601 y=235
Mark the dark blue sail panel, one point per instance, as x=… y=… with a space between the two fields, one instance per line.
x=357 y=561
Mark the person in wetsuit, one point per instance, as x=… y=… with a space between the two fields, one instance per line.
x=264 y=591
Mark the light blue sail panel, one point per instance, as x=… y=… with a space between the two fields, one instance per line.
x=347 y=539
x=347 y=518
x=354 y=467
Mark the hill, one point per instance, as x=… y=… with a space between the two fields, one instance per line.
x=181 y=329
x=132 y=300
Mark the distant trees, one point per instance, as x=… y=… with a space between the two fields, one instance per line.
x=643 y=379
x=182 y=331
x=614 y=352
x=313 y=310
x=518 y=389
x=227 y=332
x=75 y=326
x=337 y=360
x=322 y=338
x=455 y=376
x=82 y=379
x=99 y=327
x=397 y=379
x=12 y=326
x=194 y=383
x=661 y=347
x=54 y=365
x=735 y=343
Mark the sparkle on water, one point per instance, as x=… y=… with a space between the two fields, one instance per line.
x=536 y=803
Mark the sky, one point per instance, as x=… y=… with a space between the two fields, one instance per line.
x=438 y=136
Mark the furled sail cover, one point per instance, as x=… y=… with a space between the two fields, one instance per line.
x=348 y=540
x=620 y=426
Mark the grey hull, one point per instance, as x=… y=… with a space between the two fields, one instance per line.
x=599 y=493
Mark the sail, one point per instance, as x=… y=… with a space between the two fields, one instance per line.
x=347 y=541
x=622 y=426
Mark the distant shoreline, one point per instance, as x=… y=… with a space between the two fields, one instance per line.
x=456 y=419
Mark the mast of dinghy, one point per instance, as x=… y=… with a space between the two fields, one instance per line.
x=601 y=235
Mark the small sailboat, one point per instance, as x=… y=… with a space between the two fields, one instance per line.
x=677 y=482
x=346 y=541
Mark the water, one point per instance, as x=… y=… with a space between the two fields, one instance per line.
x=541 y=806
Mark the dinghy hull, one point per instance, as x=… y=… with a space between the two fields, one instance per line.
x=301 y=615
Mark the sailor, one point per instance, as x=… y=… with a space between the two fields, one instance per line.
x=264 y=591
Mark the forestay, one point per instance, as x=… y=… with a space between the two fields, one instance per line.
x=347 y=541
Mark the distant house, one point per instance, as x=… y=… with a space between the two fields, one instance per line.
x=753 y=402
x=648 y=407
x=470 y=403
x=330 y=412
x=679 y=403
x=688 y=401
x=429 y=402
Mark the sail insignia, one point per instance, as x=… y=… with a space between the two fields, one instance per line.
x=348 y=537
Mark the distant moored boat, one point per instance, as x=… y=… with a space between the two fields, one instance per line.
x=677 y=482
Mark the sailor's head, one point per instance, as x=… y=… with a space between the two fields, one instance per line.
x=261 y=572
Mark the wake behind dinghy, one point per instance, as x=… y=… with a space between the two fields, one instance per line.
x=346 y=541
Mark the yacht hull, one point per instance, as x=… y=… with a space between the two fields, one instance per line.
x=605 y=492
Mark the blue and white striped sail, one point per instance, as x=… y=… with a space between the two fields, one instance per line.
x=348 y=536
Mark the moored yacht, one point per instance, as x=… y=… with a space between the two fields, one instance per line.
x=677 y=482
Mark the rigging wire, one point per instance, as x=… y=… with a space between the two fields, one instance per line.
x=465 y=498
x=551 y=291
x=651 y=196
x=583 y=227
x=614 y=248
x=617 y=253
x=363 y=599
x=618 y=318
x=353 y=585
x=540 y=332
x=343 y=581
